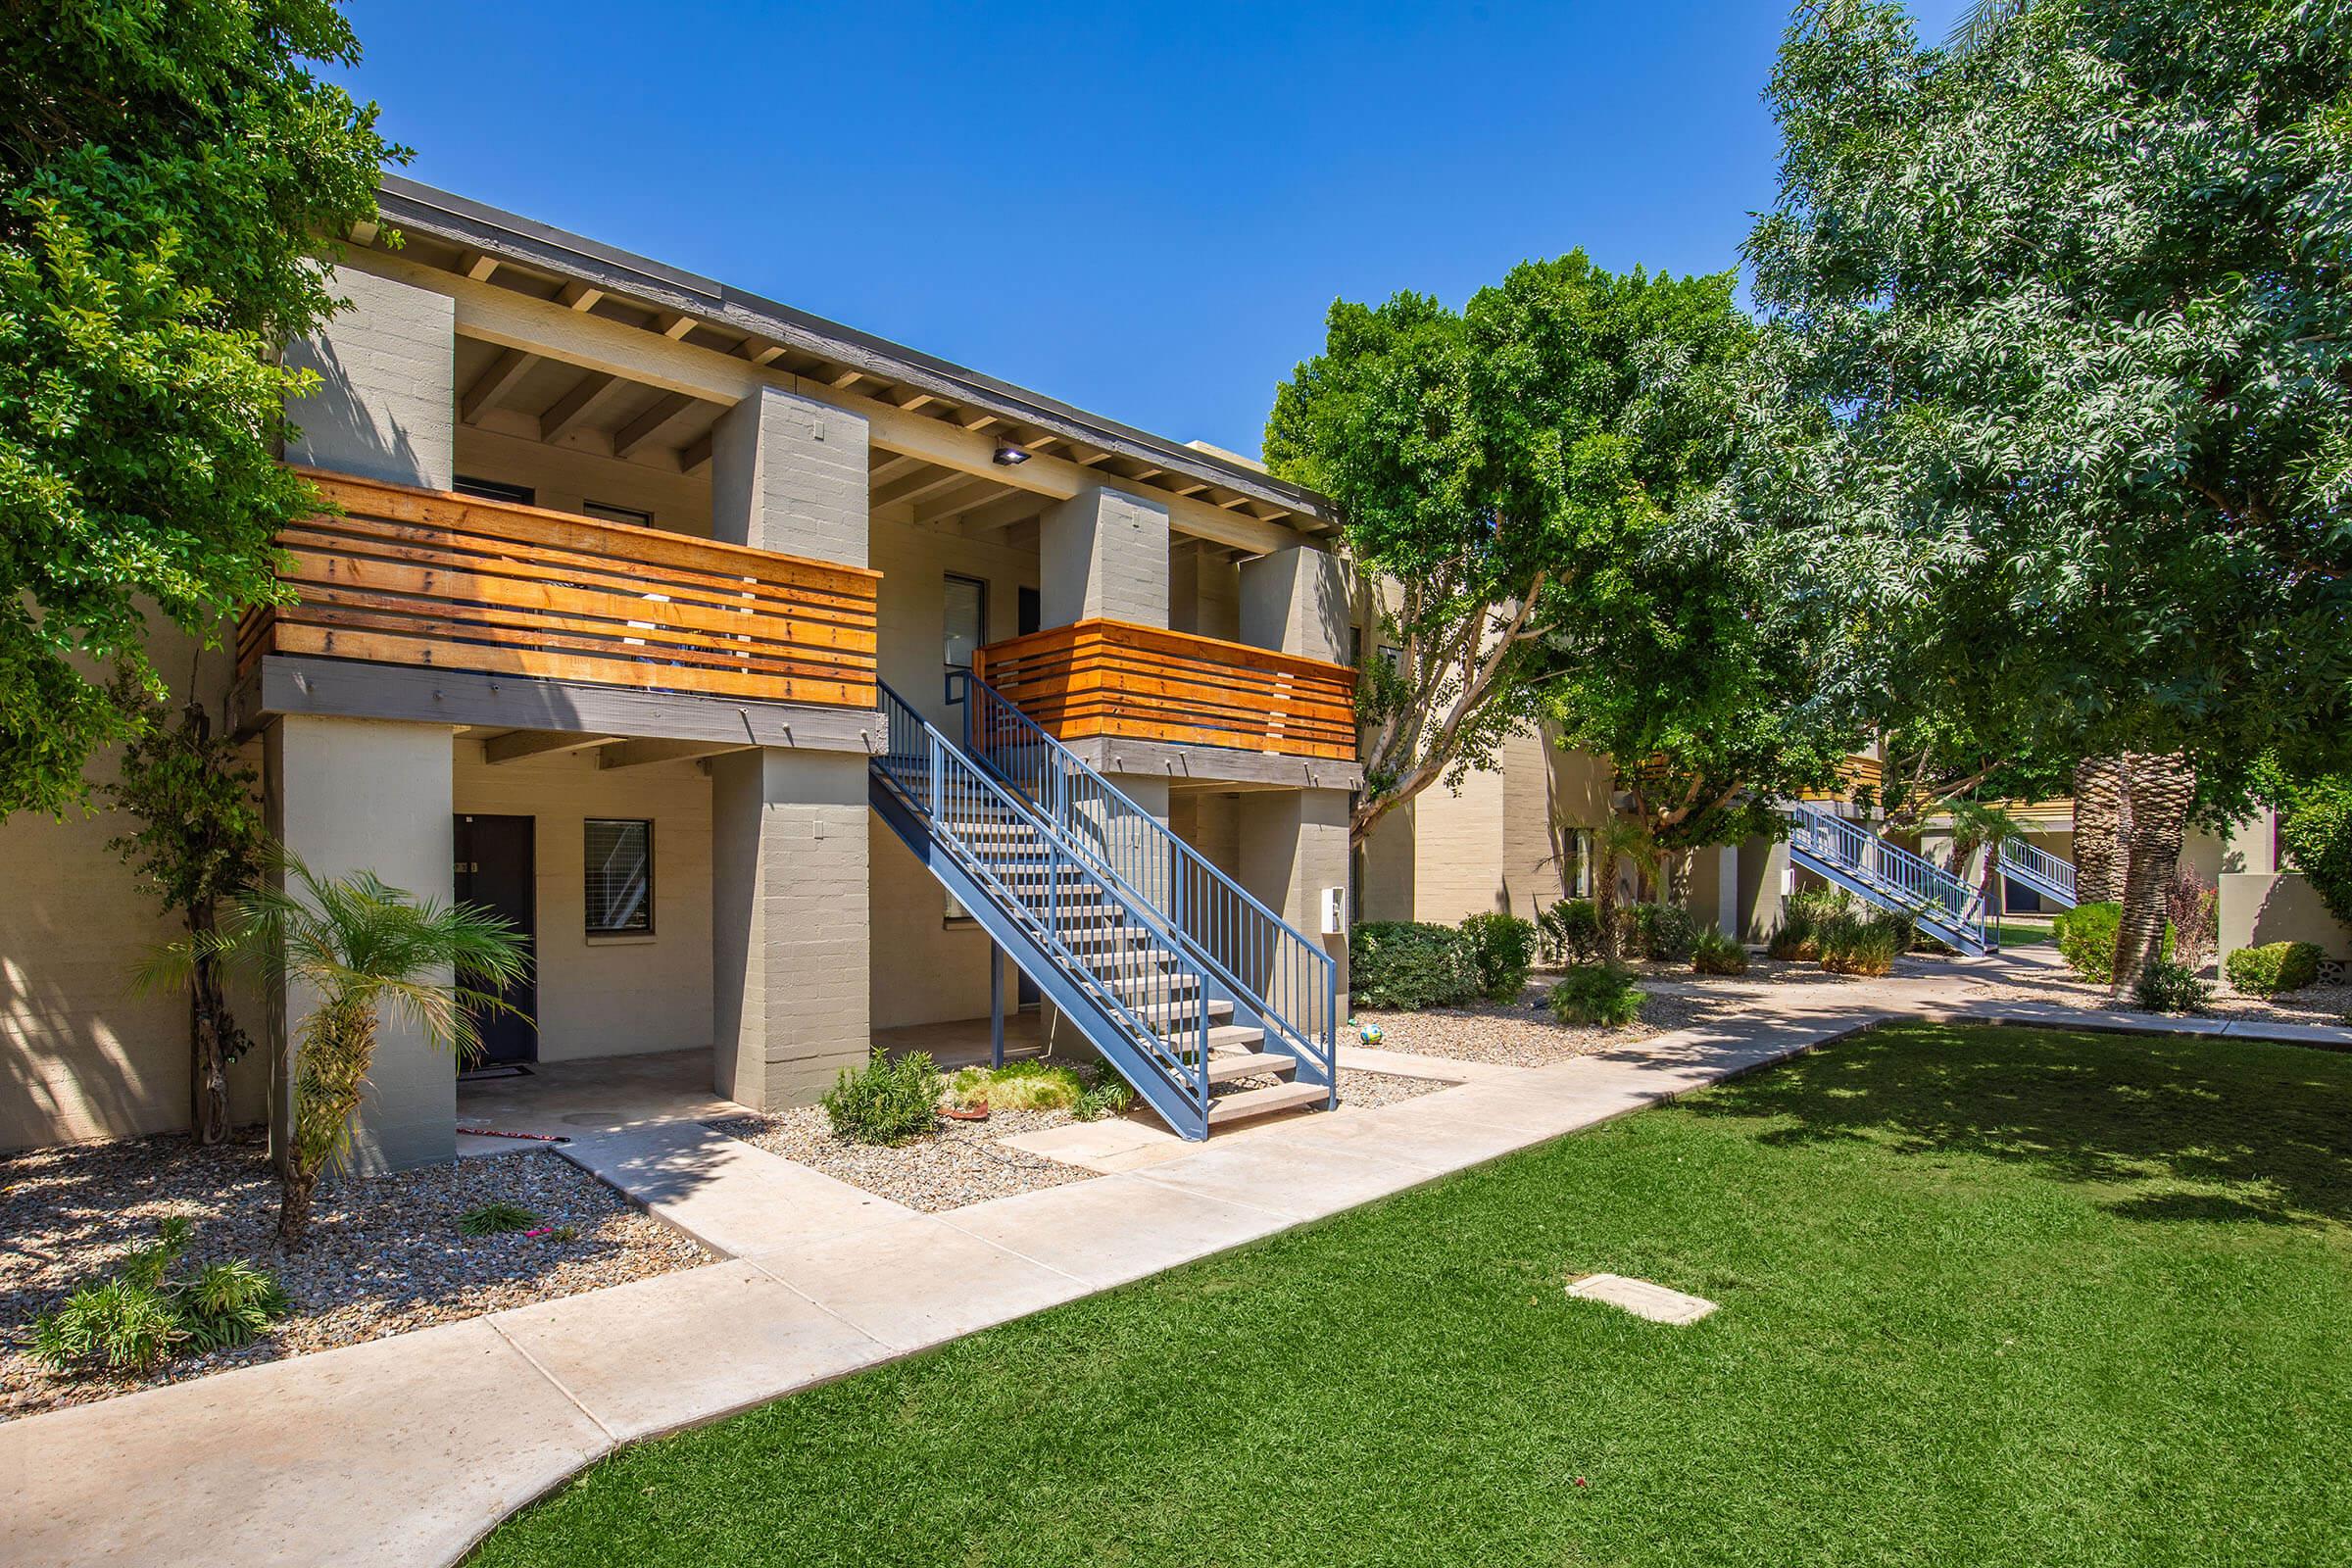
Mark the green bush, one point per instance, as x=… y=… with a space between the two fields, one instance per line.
x=1502 y=951
x=2316 y=829
x=1596 y=994
x=2166 y=986
x=889 y=1102
x=1713 y=952
x=2086 y=938
x=2274 y=969
x=1802 y=916
x=145 y=1314
x=1017 y=1086
x=1571 y=931
x=1664 y=932
x=1851 y=943
x=1408 y=964
x=493 y=1218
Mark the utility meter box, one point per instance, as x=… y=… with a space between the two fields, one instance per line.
x=1335 y=912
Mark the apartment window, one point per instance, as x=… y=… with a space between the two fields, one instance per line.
x=620 y=877
x=521 y=495
x=1576 y=862
x=966 y=621
x=1032 y=606
x=609 y=512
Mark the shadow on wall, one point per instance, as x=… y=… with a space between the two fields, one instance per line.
x=2175 y=1129
x=335 y=426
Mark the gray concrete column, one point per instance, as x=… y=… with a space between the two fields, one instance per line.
x=386 y=400
x=1297 y=601
x=1293 y=845
x=1763 y=884
x=789 y=474
x=348 y=795
x=1715 y=887
x=791 y=939
x=1104 y=553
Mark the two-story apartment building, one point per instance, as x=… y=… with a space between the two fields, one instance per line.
x=640 y=594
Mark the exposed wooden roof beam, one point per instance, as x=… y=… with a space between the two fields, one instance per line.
x=518 y=745
x=695 y=452
x=888 y=466
x=759 y=352
x=947 y=505
x=674 y=325
x=976 y=419
x=845 y=379
x=637 y=754
x=1003 y=513
x=477 y=264
x=578 y=297
x=643 y=428
x=916 y=486
x=494 y=383
x=575 y=405
x=911 y=401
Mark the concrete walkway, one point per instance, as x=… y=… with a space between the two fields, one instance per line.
x=406 y=1450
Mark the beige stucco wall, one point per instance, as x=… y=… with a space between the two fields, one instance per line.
x=565 y=478
x=915 y=564
x=926 y=967
x=608 y=996
x=2262 y=906
x=84 y=1053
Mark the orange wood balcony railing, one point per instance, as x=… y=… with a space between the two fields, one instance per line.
x=1114 y=678
x=424 y=577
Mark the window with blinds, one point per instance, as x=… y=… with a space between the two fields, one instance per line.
x=620 y=877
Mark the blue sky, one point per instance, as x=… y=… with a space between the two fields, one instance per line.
x=1144 y=210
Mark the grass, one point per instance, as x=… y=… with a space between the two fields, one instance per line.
x=1989 y=1296
x=2019 y=933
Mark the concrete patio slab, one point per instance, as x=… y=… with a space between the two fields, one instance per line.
x=727 y=1195
x=681 y=1349
x=1116 y=1230
x=917 y=1282
x=402 y=1450
x=605 y=1094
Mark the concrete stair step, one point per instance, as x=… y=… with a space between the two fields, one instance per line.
x=1237 y=1037
x=1224 y=1069
x=1184 y=1013
x=1227 y=1110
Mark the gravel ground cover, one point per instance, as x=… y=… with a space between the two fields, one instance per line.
x=2319 y=1004
x=384 y=1254
x=966 y=1161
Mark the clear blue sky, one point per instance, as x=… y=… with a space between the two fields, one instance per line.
x=1144 y=212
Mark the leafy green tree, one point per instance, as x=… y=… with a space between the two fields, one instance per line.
x=2075 y=299
x=200 y=841
x=1497 y=470
x=168 y=171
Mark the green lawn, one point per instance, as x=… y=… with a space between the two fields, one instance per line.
x=1988 y=1297
x=2017 y=933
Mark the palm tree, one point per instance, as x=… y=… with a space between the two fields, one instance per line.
x=1976 y=826
x=1617 y=839
x=1983 y=22
x=2159 y=791
x=366 y=951
x=2098 y=829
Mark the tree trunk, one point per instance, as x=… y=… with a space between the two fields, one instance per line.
x=2158 y=792
x=294 y=1207
x=213 y=1040
x=1604 y=905
x=2098 y=829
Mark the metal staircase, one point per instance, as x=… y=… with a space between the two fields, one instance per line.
x=2037 y=869
x=1047 y=883
x=1852 y=857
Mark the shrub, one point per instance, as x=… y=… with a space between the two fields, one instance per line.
x=1502 y=951
x=888 y=1102
x=493 y=1218
x=145 y=1314
x=1017 y=1086
x=2086 y=938
x=1406 y=964
x=1663 y=931
x=2193 y=909
x=1596 y=994
x=1802 y=914
x=1571 y=931
x=2316 y=830
x=1110 y=1098
x=2167 y=986
x=1866 y=945
x=1713 y=952
x=2275 y=968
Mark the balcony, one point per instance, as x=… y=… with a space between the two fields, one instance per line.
x=421 y=577
x=1116 y=681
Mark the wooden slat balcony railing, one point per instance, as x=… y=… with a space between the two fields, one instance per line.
x=423 y=578
x=1114 y=678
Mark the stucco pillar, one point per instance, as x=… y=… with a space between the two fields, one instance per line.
x=348 y=795
x=1293 y=845
x=1715 y=887
x=789 y=474
x=1763 y=886
x=1104 y=553
x=2251 y=848
x=789 y=922
x=1295 y=601
x=385 y=404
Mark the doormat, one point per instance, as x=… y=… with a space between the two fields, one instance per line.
x=502 y=1069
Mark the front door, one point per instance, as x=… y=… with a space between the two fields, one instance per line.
x=498 y=869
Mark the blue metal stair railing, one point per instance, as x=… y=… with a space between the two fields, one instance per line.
x=2038 y=869
x=1141 y=997
x=1887 y=874
x=1269 y=965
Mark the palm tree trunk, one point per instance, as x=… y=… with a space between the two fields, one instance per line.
x=2098 y=826
x=2159 y=791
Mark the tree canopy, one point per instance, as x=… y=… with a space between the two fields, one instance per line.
x=168 y=171
x=1506 y=475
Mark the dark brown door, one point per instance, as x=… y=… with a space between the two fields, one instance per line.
x=498 y=869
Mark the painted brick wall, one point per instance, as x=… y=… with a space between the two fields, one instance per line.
x=1104 y=553
x=385 y=405
x=789 y=474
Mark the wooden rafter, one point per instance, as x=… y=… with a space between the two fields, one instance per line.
x=643 y=428
x=947 y=505
x=575 y=406
x=494 y=383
